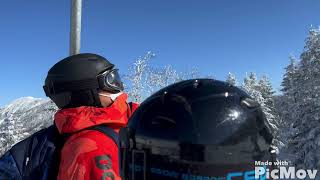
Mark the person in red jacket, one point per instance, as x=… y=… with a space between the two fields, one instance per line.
x=88 y=91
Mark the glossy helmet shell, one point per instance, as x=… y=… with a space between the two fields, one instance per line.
x=199 y=127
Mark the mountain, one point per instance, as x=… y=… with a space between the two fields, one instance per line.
x=23 y=117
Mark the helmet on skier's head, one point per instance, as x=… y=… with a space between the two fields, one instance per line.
x=196 y=129
x=76 y=80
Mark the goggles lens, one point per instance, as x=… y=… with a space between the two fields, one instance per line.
x=112 y=81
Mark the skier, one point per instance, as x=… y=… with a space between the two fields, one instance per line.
x=200 y=129
x=92 y=108
x=89 y=92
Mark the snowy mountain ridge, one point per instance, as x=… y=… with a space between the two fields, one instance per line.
x=22 y=117
x=20 y=104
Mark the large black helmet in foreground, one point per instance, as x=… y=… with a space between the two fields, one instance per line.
x=76 y=80
x=196 y=129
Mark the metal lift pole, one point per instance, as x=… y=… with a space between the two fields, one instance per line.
x=75 y=26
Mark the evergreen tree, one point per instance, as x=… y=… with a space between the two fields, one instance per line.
x=265 y=87
x=267 y=92
x=286 y=107
x=290 y=77
x=262 y=92
x=301 y=87
x=6 y=136
x=231 y=79
x=250 y=86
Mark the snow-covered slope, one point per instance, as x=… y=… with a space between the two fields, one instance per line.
x=23 y=117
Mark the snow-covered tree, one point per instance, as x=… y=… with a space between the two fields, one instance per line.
x=161 y=77
x=301 y=87
x=265 y=87
x=267 y=92
x=262 y=92
x=250 y=86
x=286 y=105
x=144 y=79
x=290 y=77
x=7 y=138
x=138 y=76
x=231 y=79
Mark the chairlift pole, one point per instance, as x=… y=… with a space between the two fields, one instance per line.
x=75 y=26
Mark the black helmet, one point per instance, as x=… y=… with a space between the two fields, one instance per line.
x=76 y=80
x=195 y=129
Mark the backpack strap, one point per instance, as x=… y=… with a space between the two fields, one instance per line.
x=107 y=131
x=104 y=129
x=59 y=142
x=129 y=111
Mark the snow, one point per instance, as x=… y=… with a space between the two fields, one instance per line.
x=23 y=117
x=20 y=104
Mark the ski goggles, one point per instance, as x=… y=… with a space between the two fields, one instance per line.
x=110 y=81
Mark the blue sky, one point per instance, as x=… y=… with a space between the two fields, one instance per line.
x=215 y=36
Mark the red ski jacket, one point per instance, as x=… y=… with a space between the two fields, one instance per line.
x=90 y=154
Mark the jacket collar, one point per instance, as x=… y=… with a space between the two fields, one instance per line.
x=74 y=119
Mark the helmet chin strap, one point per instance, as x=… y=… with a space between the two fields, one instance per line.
x=113 y=97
